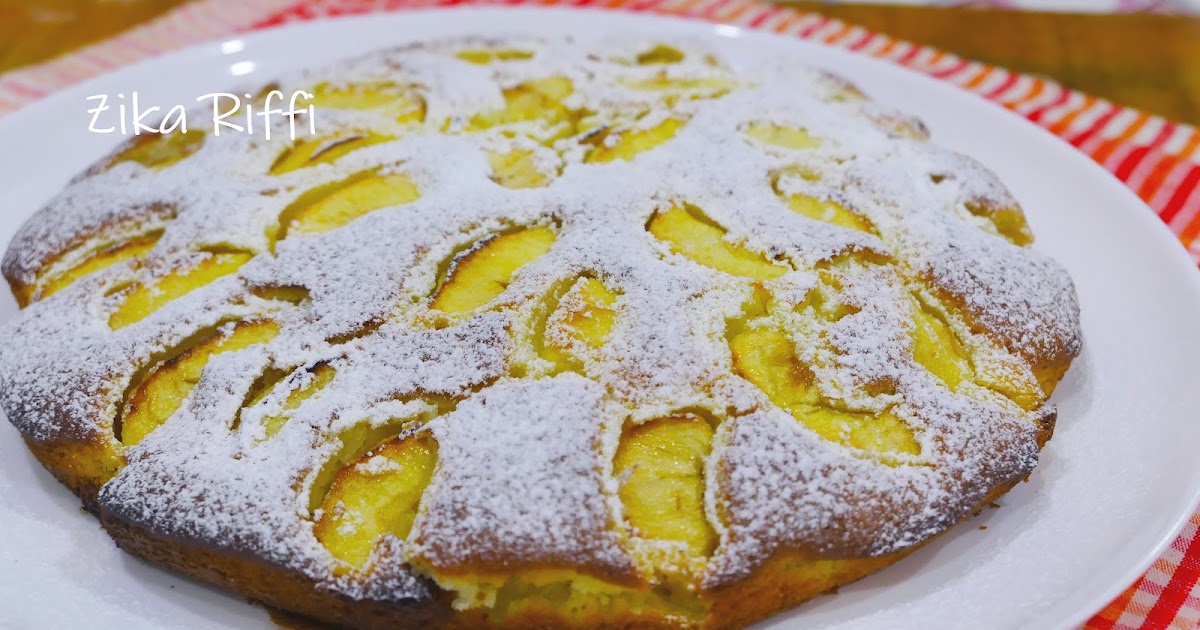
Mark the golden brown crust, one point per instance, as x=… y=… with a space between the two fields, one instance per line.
x=22 y=269
x=83 y=466
x=270 y=584
x=786 y=581
x=783 y=582
x=1039 y=333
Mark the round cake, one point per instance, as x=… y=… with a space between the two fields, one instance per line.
x=538 y=332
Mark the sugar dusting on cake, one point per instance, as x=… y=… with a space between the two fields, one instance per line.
x=525 y=469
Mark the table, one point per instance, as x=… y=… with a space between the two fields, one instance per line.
x=36 y=30
x=1149 y=61
x=1143 y=60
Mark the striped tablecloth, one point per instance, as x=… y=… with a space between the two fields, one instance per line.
x=1157 y=158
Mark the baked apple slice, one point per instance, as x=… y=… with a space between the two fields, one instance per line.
x=482 y=272
x=695 y=236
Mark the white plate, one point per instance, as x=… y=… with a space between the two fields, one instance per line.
x=1115 y=484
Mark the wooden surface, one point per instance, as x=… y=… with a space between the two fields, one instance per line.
x=36 y=30
x=1147 y=61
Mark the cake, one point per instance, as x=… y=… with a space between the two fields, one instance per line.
x=538 y=332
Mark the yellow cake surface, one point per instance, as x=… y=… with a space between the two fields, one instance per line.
x=540 y=332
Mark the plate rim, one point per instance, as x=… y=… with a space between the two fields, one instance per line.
x=1149 y=221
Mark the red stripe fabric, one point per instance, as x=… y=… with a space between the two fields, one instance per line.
x=1164 y=611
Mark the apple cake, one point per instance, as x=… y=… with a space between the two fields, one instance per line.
x=538 y=332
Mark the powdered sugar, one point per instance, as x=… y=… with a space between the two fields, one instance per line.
x=524 y=474
x=495 y=501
